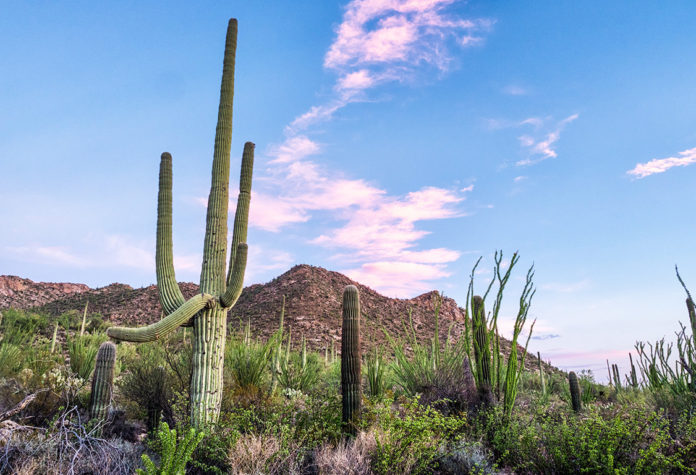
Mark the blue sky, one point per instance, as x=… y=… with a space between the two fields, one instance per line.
x=397 y=141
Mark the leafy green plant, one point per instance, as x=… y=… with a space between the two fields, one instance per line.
x=413 y=441
x=174 y=453
x=247 y=360
x=376 y=374
x=82 y=351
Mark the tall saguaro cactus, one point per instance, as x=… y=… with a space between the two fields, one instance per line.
x=102 y=381
x=351 y=388
x=482 y=350
x=207 y=311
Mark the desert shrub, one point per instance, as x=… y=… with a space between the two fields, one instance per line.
x=82 y=351
x=11 y=359
x=68 y=446
x=435 y=372
x=174 y=451
x=629 y=440
x=350 y=456
x=247 y=361
x=300 y=371
x=148 y=384
x=412 y=440
x=464 y=457
x=376 y=374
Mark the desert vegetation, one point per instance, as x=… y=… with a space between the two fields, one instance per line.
x=196 y=392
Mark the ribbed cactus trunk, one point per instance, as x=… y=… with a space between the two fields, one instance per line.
x=208 y=310
x=574 y=391
x=482 y=350
x=351 y=387
x=102 y=381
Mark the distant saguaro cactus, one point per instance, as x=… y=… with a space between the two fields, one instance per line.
x=574 y=391
x=351 y=388
x=218 y=293
x=102 y=381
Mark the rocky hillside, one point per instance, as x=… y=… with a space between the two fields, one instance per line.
x=312 y=310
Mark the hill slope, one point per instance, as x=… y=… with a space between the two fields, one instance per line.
x=313 y=306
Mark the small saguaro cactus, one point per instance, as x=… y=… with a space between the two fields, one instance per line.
x=574 y=391
x=351 y=387
x=102 y=381
x=218 y=292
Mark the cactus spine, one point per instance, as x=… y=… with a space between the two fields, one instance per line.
x=351 y=387
x=102 y=381
x=209 y=309
x=574 y=391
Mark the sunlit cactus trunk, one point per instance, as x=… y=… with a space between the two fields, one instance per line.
x=482 y=350
x=220 y=285
x=102 y=381
x=351 y=387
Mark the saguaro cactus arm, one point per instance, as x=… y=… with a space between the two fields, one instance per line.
x=170 y=295
x=215 y=245
x=165 y=326
x=234 y=289
x=241 y=215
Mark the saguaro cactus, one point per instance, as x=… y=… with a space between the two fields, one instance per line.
x=102 y=381
x=482 y=350
x=574 y=391
x=207 y=310
x=351 y=388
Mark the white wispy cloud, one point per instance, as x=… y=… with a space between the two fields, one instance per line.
x=542 y=148
x=515 y=90
x=377 y=42
x=660 y=165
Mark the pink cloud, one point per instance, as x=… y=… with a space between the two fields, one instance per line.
x=661 y=165
x=397 y=279
x=294 y=148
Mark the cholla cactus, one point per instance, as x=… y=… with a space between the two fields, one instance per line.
x=351 y=387
x=574 y=391
x=102 y=381
x=218 y=293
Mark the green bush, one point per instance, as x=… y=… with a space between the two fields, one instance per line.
x=82 y=351
x=623 y=440
x=174 y=452
x=414 y=440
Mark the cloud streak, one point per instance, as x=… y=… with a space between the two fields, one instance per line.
x=542 y=148
x=661 y=165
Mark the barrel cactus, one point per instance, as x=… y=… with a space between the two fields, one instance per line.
x=574 y=391
x=102 y=381
x=351 y=388
x=207 y=311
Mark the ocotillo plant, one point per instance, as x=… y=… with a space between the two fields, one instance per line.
x=574 y=391
x=102 y=381
x=351 y=388
x=218 y=293
x=634 y=374
x=275 y=362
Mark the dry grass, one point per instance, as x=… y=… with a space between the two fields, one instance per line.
x=262 y=455
x=347 y=458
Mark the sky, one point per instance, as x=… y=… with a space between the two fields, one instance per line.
x=397 y=141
